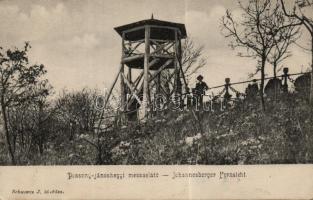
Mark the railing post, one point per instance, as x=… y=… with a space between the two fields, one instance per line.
x=227 y=84
x=285 y=78
x=227 y=96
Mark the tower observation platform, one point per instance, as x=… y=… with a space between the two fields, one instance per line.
x=163 y=37
x=150 y=47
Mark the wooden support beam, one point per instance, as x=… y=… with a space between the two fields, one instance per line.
x=163 y=90
x=122 y=87
x=146 y=72
x=164 y=47
x=107 y=97
x=111 y=88
x=135 y=41
x=132 y=89
x=149 y=74
x=162 y=56
x=129 y=75
x=179 y=57
x=131 y=58
x=132 y=49
x=153 y=47
x=182 y=72
x=159 y=83
x=138 y=78
x=178 y=64
x=136 y=83
x=167 y=48
x=154 y=61
x=159 y=47
x=176 y=71
x=152 y=78
x=161 y=68
x=159 y=41
x=179 y=53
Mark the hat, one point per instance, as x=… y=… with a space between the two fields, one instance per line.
x=200 y=77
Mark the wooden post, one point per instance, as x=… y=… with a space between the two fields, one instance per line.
x=285 y=76
x=129 y=75
x=129 y=78
x=180 y=67
x=177 y=70
x=227 y=96
x=178 y=84
x=175 y=64
x=159 y=83
x=146 y=74
x=158 y=91
x=123 y=97
x=187 y=90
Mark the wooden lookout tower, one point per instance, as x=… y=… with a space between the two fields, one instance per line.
x=148 y=48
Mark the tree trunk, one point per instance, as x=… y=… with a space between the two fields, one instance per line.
x=311 y=91
x=262 y=84
x=275 y=86
x=311 y=84
x=99 y=156
x=275 y=68
x=6 y=132
x=40 y=132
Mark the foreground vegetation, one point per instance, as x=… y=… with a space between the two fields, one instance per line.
x=64 y=134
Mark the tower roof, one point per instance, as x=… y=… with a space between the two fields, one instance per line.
x=157 y=33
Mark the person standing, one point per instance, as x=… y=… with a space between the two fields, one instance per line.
x=200 y=89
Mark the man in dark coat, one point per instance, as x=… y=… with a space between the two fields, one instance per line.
x=200 y=89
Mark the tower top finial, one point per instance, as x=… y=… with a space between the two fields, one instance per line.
x=152 y=16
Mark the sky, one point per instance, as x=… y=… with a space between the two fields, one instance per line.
x=76 y=42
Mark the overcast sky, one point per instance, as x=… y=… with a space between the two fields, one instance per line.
x=76 y=41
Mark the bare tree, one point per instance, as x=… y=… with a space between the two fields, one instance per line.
x=300 y=12
x=258 y=32
x=192 y=60
x=192 y=57
x=285 y=38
